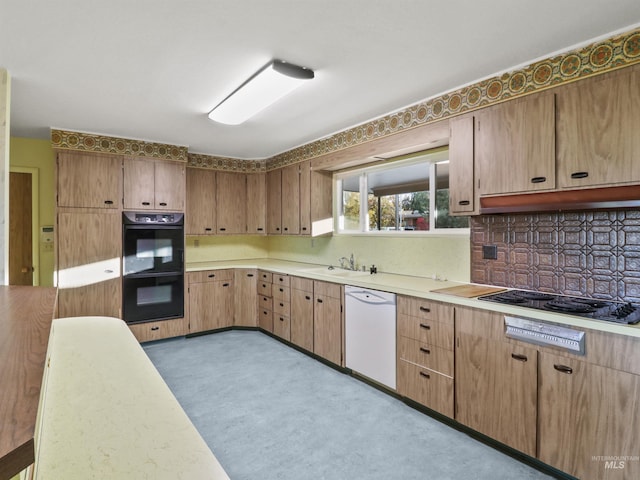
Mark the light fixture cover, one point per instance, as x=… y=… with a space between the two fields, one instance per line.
x=267 y=86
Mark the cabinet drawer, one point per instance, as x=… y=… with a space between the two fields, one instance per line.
x=280 y=292
x=282 y=326
x=264 y=276
x=146 y=332
x=326 y=289
x=265 y=302
x=426 y=331
x=209 y=276
x=264 y=288
x=425 y=355
x=300 y=283
x=265 y=319
x=281 y=307
x=427 y=387
x=280 y=279
x=425 y=309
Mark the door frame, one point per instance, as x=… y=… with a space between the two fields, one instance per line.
x=35 y=217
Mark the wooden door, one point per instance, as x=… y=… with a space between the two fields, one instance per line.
x=305 y=197
x=169 y=180
x=291 y=200
x=223 y=303
x=515 y=146
x=588 y=412
x=201 y=202
x=89 y=251
x=302 y=318
x=246 y=297
x=461 y=171
x=20 y=229
x=89 y=180
x=327 y=322
x=139 y=184
x=598 y=125
x=274 y=202
x=495 y=390
x=231 y=199
x=256 y=203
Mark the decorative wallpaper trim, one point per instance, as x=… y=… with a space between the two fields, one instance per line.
x=89 y=142
x=199 y=160
x=600 y=57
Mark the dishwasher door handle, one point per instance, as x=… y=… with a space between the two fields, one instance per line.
x=368 y=297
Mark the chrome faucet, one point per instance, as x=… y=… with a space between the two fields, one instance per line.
x=350 y=260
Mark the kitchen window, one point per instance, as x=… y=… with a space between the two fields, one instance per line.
x=409 y=195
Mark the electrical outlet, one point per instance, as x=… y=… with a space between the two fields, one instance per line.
x=489 y=252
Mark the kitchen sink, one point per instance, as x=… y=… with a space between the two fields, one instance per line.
x=335 y=272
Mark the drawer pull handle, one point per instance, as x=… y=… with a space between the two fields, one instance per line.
x=207 y=229
x=307 y=297
x=281 y=304
x=304 y=229
x=425 y=326
x=281 y=319
x=538 y=179
x=425 y=375
x=222 y=229
x=319 y=300
x=563 y=369
x=163 y=204
x=211 y=275
x=250 y=275
x=520 y=358
x=579 y=174
x=281 y=289
x=425 y=309
x=153 y=329
x=225 y=284
x=260 y=229
x=277 y=229
x=108 y=202
x=146 y=204
x=425 y=350
x=286 y=229
x=464 y=202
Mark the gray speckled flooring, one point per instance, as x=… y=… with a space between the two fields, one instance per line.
x=270 y=412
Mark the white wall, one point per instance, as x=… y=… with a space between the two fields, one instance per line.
x=5 y=114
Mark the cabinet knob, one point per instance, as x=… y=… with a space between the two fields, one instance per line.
x=260 y=229
x=208 y=229
x=538 y=179
x=281 y=319
x=153 y=329
x=222 y=229
x=425 y=350
x=319 y=300
x=579 y=174
x=281 y=289
x=425 y=326
x=304 y=229
x=108 y=202
x=425 y=309
x=146 y=204
x=425 y=375
x=464 y=202
x=563 y=369
x=211 y=275
x=281 y=304
x=286 y=229
x=307 y=297
x=163 y=204
x=249 y=275
x=225 y=284
x=518 y=357
x=277 y=229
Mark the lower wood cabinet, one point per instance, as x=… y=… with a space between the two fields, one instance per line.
x=245 y=292
x=425 y=386
x=211 y=300
x=302 y=312
x=148 y=331
x=327 y=322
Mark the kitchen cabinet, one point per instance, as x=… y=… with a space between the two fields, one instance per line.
x=425 y=353
x=231 y=200
x=598 y=121
x=302 y=312
x=88 y=270
x=587 y=413
x=462 y=191
x=153 y=185
x=281 y=295
x=274 y=202
x=201 y=202
x=265 y=302
x=305 y=197
x=290 y=191
x=496 y=381
x=245 y=286
x=149 y=331
x=211 y=300
x=89 y=180
x=515 y=146
x=327 y=322
x=256 y=210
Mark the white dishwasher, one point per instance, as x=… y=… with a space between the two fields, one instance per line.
x=370 y=334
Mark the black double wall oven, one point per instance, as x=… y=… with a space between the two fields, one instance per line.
x=153 y=266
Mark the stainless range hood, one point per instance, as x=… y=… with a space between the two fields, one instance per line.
x=564 y=200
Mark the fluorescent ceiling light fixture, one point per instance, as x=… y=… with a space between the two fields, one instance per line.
x=266 y=87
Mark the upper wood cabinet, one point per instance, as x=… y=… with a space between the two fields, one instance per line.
x=461 y=169
x=89 y=180
x=153 y=185
x=598 y=121
x=231 y=200
x=274 y=202
x=256 y=203
x=201 y=202
x=305 y=197
x=290 y=203
x=515 y=146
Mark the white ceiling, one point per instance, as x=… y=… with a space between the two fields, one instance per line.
x=152 y=69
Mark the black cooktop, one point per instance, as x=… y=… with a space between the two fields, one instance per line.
x=610 y=311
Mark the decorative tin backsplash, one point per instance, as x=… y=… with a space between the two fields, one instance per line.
x=594 y=254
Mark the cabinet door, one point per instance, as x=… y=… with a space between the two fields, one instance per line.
x=89 y=250
x=305 y=197
x=210 y=306
x=302 y=318
x=461 y=172
x=495 y=390
x=598 y=125
x=257 y=203
x=139 y=184
x=274 y=202
x=169 y=186
x=327 y=325
x=291 y=200
x=321 y=202
x=515 y=146
x=201 y=202
x=86 y=180
x=246 y=297
x=231 y=202
x=588 y=412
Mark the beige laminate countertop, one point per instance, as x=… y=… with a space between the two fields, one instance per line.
x=421 y=287
x=106 y=412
